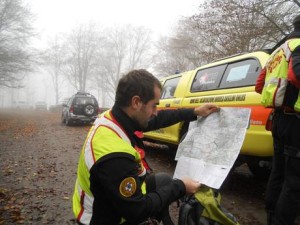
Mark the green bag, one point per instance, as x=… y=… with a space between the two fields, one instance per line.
x=204 y=208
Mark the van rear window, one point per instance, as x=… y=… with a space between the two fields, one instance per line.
x=241 y=74
x=236 y=74
x=208 y=79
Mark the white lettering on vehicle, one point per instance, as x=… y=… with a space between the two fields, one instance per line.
x=256 y=122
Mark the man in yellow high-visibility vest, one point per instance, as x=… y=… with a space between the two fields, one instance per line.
x=279 y=84
x=112 y=185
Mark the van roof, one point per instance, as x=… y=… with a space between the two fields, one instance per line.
x=261 y=55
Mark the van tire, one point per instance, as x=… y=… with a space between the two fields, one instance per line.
x=260 y=167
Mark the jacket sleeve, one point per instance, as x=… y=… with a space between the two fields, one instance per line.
x=137 y=207
x=294 y=68
x=260 y=82
x=170 y=117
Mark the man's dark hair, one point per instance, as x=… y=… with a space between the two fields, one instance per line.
x=136 y=82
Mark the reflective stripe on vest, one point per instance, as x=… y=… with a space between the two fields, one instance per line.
x=274 y=92
x=82 y=197
x=297 y=104
x=276 y=75
x=102 y=121
x=84 y=215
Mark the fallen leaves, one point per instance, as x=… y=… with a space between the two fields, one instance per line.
x=10 y=207
x=29 y=129
x=18 y=127
x=7 y=124
x=38 y=167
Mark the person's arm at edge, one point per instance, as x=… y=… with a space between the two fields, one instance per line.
x=294 y=68
x=260 y=82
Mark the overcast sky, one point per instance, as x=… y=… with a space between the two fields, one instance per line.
x=54 y=16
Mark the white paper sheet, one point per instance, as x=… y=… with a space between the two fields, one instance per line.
x=212 y=145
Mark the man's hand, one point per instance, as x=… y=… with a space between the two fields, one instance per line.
x=206 y=109
x=191 y=186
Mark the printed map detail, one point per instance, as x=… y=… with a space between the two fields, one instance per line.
x=212 y=145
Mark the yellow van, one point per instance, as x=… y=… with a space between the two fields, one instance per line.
x=227 y=82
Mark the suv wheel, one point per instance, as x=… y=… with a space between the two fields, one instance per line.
x=68 y=121
x=89 y=110
x=63 y=120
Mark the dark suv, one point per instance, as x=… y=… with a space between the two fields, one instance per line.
x=81 y=108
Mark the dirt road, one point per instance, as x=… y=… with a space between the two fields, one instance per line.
x=38 y=166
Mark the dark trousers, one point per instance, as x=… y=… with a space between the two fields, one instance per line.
x=283 y=189
x=156 y=182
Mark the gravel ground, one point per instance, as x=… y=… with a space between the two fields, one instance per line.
x=38 y=166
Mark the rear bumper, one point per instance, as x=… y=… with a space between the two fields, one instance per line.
x=82 y=118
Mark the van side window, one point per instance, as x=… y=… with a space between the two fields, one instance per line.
x=169 y=87
x=208 y=79
x=239 y=74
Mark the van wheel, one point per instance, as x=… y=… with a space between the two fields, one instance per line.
x=260 y=167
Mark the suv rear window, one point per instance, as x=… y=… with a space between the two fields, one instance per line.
x=84 y=101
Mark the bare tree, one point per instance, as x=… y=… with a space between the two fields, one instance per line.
x=227 y=27
x=139 y=47
x=235 y=26
x=53 y=63
x=180 y=52
x=15 y=33
x=80 y=55
x=123 y=49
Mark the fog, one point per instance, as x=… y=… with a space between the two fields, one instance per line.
x=56 y=17
x=38 y=87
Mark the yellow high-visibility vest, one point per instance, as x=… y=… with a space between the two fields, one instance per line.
x=276 y=76
x=104 y=137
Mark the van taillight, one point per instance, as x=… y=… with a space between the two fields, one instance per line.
x=71 y=110
x=269 y=122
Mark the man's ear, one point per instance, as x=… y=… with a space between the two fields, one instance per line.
x=135 y=102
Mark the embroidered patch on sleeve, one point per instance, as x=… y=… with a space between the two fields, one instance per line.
x=128 y=187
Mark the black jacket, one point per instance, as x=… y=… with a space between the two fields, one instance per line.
x=296 y=55
x=108 y=173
